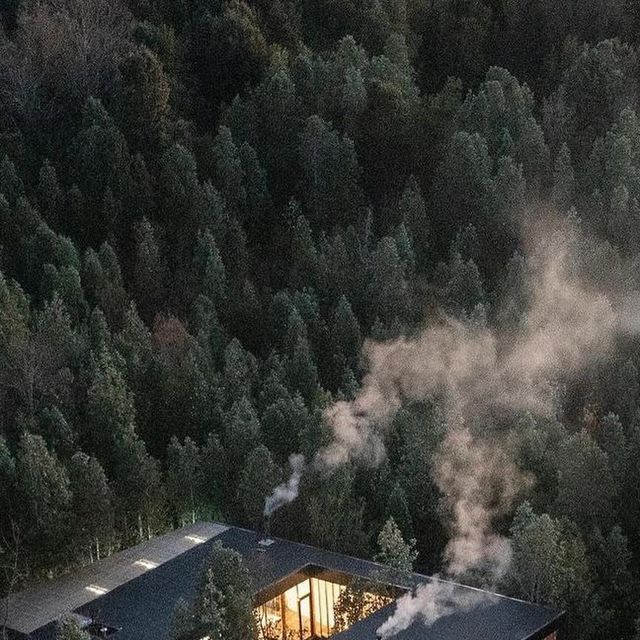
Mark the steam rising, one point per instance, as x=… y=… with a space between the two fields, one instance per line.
x=477 y=373
x=288 y=491
x=431 y=601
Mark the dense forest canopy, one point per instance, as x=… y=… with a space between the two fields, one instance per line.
x=207 y=206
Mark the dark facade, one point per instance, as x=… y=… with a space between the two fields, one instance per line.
x=295 y=587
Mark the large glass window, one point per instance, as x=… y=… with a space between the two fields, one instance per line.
x=324 y=596
x=270 y=620
x=306 y=610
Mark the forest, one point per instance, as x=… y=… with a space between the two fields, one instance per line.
x=208 y=210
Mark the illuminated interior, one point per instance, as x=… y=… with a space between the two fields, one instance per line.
x=304 y=611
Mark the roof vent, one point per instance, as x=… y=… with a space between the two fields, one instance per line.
x=99 y=630
x=266 y=542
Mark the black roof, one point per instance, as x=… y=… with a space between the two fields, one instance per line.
x=143 y=607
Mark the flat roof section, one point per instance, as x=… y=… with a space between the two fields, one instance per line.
x=143 y=608
x=39 y=605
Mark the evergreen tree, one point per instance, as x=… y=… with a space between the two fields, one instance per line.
x=92 y=506
x=229 y=171
x=71 y=630
x=150 y=272
x=259 y=477
x=11 y=185
x=583 y=469
x=138 y=488
x=143 y=98
x=184 y=480
x=398 y=510
x=242 y=434
x=110 y=411
x=615 y=581
x=98 y=160
x=210 y=270
x=50 y=196
x=222 y=608
x=393 y=550
x=45 y=497
x=331 y=172
x=239 y=372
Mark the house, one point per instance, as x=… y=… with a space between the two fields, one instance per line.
x=131 y=595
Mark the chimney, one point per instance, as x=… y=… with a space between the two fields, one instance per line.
x=265 y=540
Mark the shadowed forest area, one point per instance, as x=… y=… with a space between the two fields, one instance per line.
x=207 y=206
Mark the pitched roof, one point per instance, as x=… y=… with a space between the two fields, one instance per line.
x=143 y=606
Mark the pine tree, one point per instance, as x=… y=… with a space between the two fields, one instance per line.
x=398 y=510
x=222 y=608
x=302 y=371
x=99 y=159
x=150 y=271
x=242 y=434
x=393 y=550
x=282 y=422
x=11 y=185
x=44 y=493
x=345 y=333
x=240 y=368
x=138 y=488
x=258 y=478
x=215 y=474
x=50 y=196
x=210 y=270
x=92 y=506
x=229 y=171
x=332 y=193
x=142 y=103
x=184 y=480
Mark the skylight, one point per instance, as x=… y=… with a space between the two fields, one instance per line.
x=195 y=539
x=145 y=564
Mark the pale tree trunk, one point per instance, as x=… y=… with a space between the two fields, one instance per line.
x=11 y=569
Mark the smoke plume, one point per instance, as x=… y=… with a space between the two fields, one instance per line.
x=287 y=491
x=431 y=601
x=478 y=374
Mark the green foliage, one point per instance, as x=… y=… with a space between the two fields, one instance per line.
x=584 y=467
x=393 y=551
x=44 y=494
x=92 y=505
x=185 y=481
x=550 y=566
x=222 y=607
x=258 y=478
x=206 y=208
x=71 y=630
x=331 y=171
x=143 y=98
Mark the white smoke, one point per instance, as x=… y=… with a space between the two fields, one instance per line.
x=429 y=602
x=287 y=491
x=476 y=372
